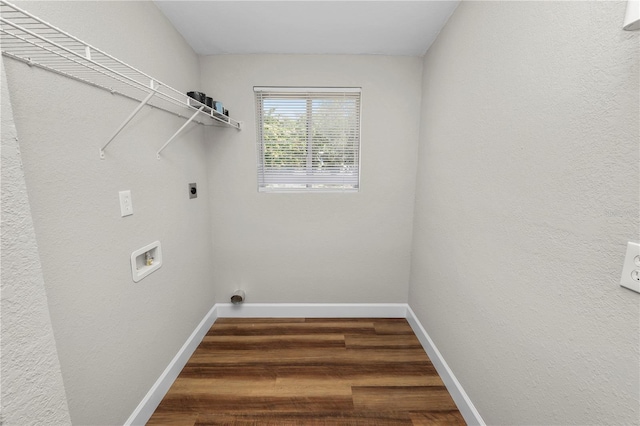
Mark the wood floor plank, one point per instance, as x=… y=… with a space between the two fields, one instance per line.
x=393 y=327
x=364 y=380
x=329 y=371
x=353 y=320
x=343 y=371
x=319 y=371
x=404 y=398
x=353 y=357
x=355 y=418
x=273 y=342
x=437 y=418
x=229 y=371
x=211 y=404
x=284 y=328
x=173 y=419
x=389 y=341
x=267 y=388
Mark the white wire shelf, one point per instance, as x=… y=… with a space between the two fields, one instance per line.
x=31 y=40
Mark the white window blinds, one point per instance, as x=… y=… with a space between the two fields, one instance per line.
x=308 y=139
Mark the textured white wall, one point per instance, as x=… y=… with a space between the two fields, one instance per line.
x=114 y=337
x=315 y=247
x=527 y=193
x=32 y=387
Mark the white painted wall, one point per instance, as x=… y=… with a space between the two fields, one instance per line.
x=114 y=337
x=315 y=247
x=32 y=387
x=527 y=193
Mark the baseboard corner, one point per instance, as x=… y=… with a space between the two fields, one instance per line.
x=460 y=397
x=152 y=399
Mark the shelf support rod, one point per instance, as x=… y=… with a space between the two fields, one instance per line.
x=179 y=130
x=122 y=126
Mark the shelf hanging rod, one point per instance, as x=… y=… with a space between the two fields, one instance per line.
x=133 y=114
x=179 y=130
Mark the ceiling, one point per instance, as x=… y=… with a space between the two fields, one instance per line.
x=309 y=27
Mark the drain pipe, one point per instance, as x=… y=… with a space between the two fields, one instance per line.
x=237 y=297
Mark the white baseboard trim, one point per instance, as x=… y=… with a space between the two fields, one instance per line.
x=152 y=399
x=460 y=397
x=312 y=310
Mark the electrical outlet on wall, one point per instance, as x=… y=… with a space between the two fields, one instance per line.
x=631 y=269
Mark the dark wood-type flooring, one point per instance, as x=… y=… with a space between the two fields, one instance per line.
x=300 y=371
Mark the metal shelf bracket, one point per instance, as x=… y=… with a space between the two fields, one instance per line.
x=128 y=119
x=26 y=38
x=179 y=130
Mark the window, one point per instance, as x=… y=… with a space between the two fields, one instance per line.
x=308 y=139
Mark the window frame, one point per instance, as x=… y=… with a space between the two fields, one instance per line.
x=310 y=176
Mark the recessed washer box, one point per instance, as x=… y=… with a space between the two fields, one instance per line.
x=146 y=260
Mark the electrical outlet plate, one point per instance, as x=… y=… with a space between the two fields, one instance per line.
x=630 y=277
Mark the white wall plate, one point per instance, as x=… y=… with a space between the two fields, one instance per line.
x=630 y=277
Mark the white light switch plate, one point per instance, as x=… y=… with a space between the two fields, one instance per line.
x=126 y=206
x=630 y=277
